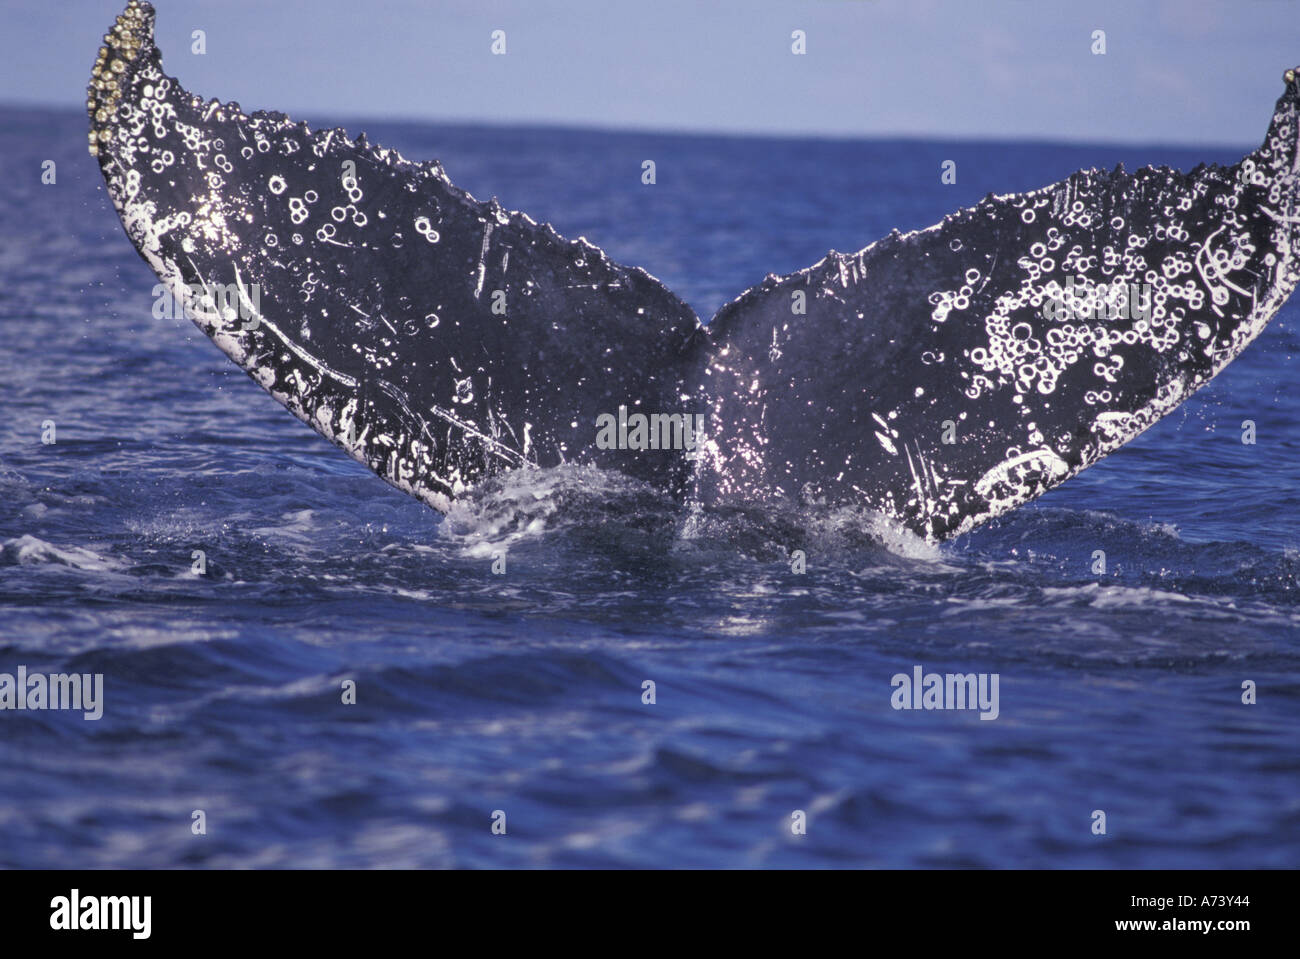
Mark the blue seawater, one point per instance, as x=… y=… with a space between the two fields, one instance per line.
x=1119 y=692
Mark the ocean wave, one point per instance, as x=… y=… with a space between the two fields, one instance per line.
x=28 y=550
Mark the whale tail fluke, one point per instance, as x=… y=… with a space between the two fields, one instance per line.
x=940 y=377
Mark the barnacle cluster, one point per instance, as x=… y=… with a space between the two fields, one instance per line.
x=131 y=31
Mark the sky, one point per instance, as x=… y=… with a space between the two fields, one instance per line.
x=1197 y=72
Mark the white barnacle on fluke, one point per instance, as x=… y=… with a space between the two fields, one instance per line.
x=1026 y=331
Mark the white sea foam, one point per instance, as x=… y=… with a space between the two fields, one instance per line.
x=28 y=550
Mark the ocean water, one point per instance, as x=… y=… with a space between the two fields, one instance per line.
x=1118 y=691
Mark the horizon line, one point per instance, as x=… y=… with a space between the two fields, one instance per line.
x=566 y=126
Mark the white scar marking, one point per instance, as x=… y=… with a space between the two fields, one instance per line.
x=921 y=498
x=505 y=452
x=382 y=318
x=1279 y=217
x=482 y=259
x=1044 y=459
x=302 y=354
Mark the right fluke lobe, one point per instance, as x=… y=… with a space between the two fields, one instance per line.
x=948 y=375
